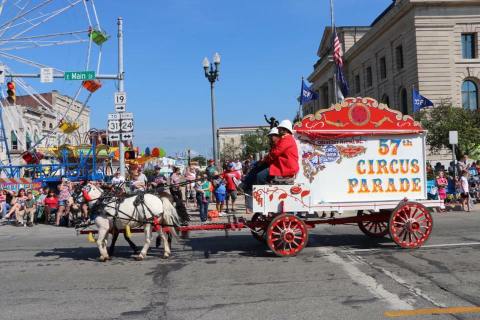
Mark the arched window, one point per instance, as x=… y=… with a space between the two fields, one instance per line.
x=28 y=140
x=13 y=140
x=386 y=99
x=44 y=124
x=404 y=101
x=469 y=95
x=50 y=126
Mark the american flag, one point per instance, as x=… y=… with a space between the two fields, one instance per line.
x=337 y=51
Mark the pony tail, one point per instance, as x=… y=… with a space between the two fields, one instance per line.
x=170 y=215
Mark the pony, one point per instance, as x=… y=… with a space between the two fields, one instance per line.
x=130 y=211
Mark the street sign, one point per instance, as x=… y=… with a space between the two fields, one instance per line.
x=2 y=74
x=126 y=125
x=127 y=136
x=114 y=136
x=79 y=75
x=126 y=115
x=113 y=116
x=113 y=126
x=46 y=75
x=453 y=137
x=120 y=98
x=120 y=108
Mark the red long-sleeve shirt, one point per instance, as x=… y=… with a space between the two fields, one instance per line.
x=283 y=158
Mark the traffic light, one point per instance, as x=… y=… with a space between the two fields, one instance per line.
x=130 y=155
x=11 y=95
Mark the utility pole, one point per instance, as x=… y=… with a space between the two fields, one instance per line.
x=121 y=88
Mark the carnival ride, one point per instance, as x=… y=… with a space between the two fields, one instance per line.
x=34 y=35
x=358 y=158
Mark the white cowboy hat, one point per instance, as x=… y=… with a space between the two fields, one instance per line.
x=273 y=131
x=286 y=124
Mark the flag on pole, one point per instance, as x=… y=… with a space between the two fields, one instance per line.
x=337 y=50
x=307 y=94
x=338 y=59
x=420 y=101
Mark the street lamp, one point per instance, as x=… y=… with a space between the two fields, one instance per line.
x=211 y=73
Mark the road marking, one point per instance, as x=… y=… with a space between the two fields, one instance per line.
x=413 y=290
x=390 y=247
x=451 y=310
x=367 y=281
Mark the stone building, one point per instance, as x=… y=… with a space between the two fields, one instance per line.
x=431 y=45
x=32 y=122
x=230 y=139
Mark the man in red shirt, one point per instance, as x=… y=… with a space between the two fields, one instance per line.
x=230 y=176
x=283 y=157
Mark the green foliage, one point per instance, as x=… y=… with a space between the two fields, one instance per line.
x=255 y=142
x=444 y=118
x=202 y=161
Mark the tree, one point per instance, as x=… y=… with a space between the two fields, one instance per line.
x=255 y=142
x=444 y=118
x=230 y=152
x=200 y=159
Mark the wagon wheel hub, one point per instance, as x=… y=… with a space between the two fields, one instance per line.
x=412 y=226
x=288 y=235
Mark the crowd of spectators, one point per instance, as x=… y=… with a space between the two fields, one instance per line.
x=47 y=205
x=460 y=182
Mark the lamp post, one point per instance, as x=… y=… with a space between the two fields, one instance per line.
x=211 y=73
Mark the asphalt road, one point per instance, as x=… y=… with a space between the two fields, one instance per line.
x=50 y=273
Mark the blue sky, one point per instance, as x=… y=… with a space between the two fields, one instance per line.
x=266 y=47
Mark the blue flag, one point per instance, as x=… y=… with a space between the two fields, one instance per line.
x=307 y=94
x=342 y=82
x=420 y=101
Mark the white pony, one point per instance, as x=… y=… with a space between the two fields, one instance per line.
x=134 y=211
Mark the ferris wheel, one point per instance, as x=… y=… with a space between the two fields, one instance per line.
x=56 y=36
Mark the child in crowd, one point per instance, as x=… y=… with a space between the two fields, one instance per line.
x=220 y=191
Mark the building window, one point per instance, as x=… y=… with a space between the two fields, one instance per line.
x=13 y=140
x=44 y=124
x=469 y=95
x=404 y=101
x=399 y=57
x=386 y=99
x=28 y=140
x=357 y=83
x=50 y=126
x=469 y=46
x=325 y=96
x=369 y=77
x=383 y=68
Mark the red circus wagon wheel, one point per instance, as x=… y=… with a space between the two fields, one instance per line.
x=410 y=225
x=287 y=235
x=372 y=228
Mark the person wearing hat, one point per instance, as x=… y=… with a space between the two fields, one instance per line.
x=251 y=177
x=158 y=181
x=283 y=157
